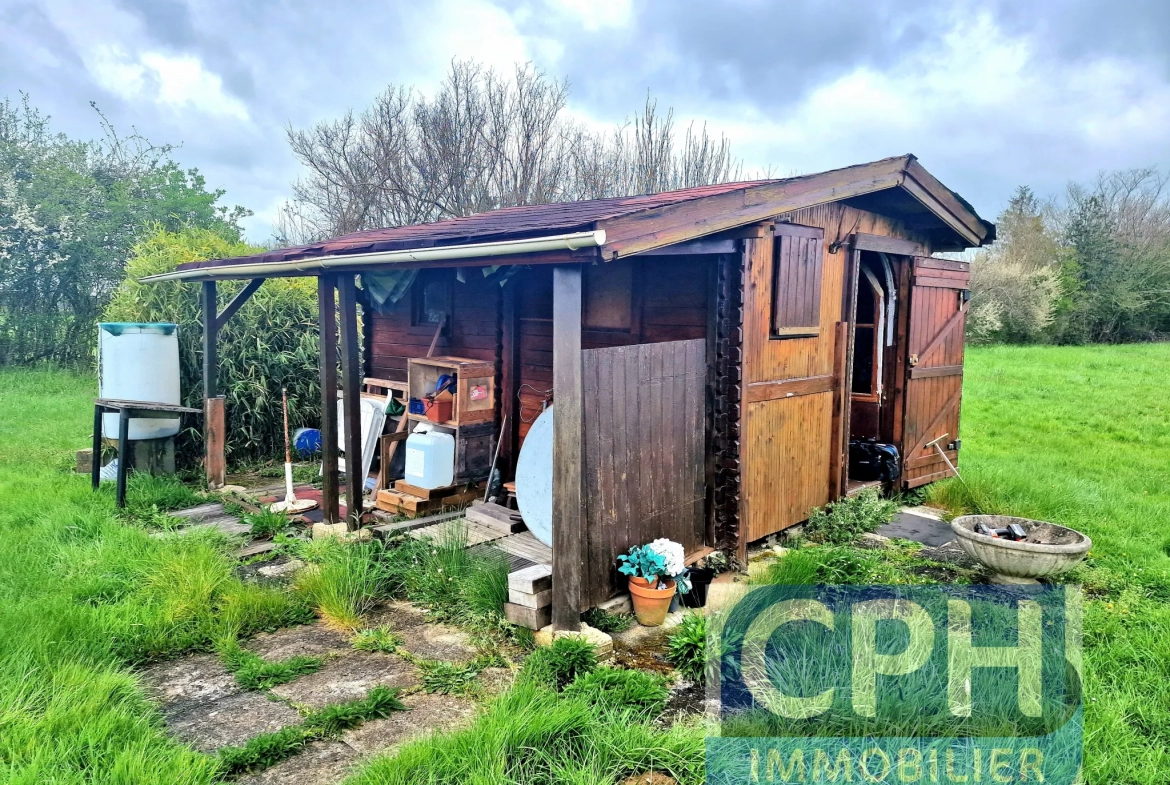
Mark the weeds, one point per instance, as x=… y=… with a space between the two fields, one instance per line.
x=253 y=672
x=266 y=523
x=345 y=584
x=378 y=639
x=446 y=678
x=269 y=749
x=533 y=735
x=616 y=688
x=687 y=646
x=608 y=622
x=558 y=665
x=842 y=521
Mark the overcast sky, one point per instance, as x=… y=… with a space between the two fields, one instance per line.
x=988 y=95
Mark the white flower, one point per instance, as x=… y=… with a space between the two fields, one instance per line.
x=672 y=553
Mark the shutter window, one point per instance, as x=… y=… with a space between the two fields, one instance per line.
x=797 y=266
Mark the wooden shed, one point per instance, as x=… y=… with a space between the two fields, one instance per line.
x=711 y=352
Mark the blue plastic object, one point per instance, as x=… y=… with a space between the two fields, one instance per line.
x=307 y=441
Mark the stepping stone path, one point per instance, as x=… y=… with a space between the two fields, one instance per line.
x=206 y=709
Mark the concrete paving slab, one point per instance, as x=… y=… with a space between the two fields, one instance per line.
x=348 y=678
x=184 y=683
x=427 y=713
x=318 y=763
x=310 y=640
x=229 y=721
x=919 y=527
x=438 y=642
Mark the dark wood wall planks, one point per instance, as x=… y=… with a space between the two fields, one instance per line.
x=645 y=407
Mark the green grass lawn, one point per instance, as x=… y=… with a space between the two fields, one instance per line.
x=1079 y=436
x=83 y=594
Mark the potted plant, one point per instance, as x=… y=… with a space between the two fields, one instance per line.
x=651 y=590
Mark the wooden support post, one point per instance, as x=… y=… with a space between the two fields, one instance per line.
x=214 y=437
x=95 y=468
x=568 y=449
x=509 y=382
x=328 y=318
x=214 y=416
x=351 y=372
x=849 y=316
x=123 y=456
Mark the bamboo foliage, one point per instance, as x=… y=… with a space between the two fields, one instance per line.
x=270 y=343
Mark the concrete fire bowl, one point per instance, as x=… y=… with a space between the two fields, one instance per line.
x=1047 y=550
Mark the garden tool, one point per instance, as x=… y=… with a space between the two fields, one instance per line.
x=946 y=460
x=291 y=503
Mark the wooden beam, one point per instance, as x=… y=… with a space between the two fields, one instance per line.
x=351 y=399
x=214 y=438
x=642 y=231
x=509 y=385
x=946 y=200
x=936 y=371
x=930 y=202
x=848 y=315
x=890 y=245
x=790 y=388
x=210 y=342
x=700 y=246
x=214 y=414
x=236 y=302
x=328 y=351
x=568 y=449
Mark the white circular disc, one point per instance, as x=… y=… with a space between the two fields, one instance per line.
x=534 y=478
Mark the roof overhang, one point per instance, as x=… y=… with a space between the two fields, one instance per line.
x=367 y=261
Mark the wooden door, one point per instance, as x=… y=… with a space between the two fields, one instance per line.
x=789 y=336
x=939 y=297
x=644 y=470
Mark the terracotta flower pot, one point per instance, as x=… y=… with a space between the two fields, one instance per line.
x=650 y=605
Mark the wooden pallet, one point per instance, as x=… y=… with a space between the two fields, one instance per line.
x=411 y=506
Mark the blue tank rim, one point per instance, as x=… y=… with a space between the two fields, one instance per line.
x=157 y=328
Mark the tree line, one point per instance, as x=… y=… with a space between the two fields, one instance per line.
x=1092 y=265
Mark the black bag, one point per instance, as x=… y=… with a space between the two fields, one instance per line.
x=870 y=460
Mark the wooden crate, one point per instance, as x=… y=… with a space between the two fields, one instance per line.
x=475 y=397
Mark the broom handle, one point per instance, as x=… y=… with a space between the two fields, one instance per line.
x=284 y=406
x=403 y=419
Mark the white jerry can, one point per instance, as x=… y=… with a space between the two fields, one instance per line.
x=430 y=457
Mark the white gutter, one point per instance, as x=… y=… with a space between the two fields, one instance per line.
x=559 y=242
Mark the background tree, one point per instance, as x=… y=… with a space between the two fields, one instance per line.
x=70 y=211
x=480 y=143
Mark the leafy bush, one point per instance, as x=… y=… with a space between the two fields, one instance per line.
x=686 y=647
x=345 y=585
x=843 y=520
x=617 y=688
x=271 y=343
x=558 y=665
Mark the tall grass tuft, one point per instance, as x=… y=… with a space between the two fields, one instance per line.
x=345 y=584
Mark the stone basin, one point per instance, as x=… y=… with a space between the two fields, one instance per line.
x=1047 y=550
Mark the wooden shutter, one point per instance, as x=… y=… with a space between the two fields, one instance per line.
x=797 y=265
x=939 y=297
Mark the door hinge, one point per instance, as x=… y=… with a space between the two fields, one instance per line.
x=955 y=445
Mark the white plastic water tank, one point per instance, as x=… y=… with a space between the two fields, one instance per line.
x=430 y=457
x=139 y=362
